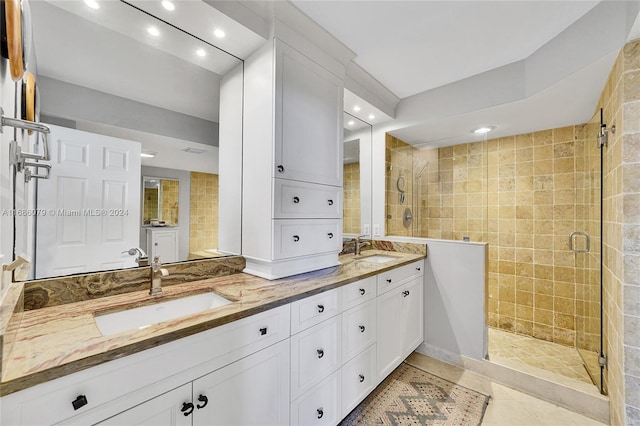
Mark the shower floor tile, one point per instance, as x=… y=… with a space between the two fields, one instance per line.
x=562 y=361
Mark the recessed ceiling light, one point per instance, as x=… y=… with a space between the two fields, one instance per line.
x=147 y=154
x=168 y=5
x=356 y=108
x=201 y=52
x=351 y=123
x=219 y=33
x=194 y=150
x=371 y=116
x=93 y=4
x=153 y=31
x=483 y=130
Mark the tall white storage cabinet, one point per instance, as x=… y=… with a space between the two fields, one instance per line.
x=292 y=163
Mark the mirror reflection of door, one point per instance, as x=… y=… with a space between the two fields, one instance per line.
x=356 y=179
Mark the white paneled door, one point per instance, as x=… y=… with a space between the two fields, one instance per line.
x=90 y=206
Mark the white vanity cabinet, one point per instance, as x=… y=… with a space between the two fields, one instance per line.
x=251 y=391
x=292 y=156
x=400 y=314
x=163 y=242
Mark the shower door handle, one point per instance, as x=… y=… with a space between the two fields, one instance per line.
x=584 y=234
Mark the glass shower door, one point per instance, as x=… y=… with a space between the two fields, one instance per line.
x=588 y=259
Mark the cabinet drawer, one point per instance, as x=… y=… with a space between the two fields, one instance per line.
x=320 y=406
x=358 y=292
x=306 y=200
x=358 y=329
x=312 y=310
x=315 y=353
x=358 y=379
x=395 y=277
x=302 y=237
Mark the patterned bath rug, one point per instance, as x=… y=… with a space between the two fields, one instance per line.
x=410 y=396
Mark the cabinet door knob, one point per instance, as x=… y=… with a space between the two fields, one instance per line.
x=320 y=309
x=330 y=202
x=362 y=328
x=418 y=269
x=320 y=412
x=389 y=280
x=263 y=331
x=296 y=200
x=361 y=378
x=204 y=401
x=296 y=238
x=281 y=169
x=362 y=291
x=405 y=293
x=79 y=402
x=330 y=235
x=187 y=408
x=320 y=353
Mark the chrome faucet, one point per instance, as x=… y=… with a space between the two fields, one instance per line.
x=157 y=272
x=359 y=244
x=142 y=259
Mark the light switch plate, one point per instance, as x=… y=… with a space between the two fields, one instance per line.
x=365 y=229
x=376 y=230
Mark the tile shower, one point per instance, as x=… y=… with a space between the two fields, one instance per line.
x=523 y=195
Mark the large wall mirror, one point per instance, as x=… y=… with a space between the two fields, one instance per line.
x=357 y=177
x=128 y=95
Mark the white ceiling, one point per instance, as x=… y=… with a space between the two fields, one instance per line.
x=458 y=65
x=413 y=46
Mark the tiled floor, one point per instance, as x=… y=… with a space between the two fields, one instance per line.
x=533 y=354
x=507 y=406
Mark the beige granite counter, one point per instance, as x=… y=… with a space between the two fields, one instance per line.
x=58 y=340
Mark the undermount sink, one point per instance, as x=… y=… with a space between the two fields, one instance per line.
x=144 y=316
x=379 y=258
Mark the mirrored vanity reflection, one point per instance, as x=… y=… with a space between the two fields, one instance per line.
x=357 y=177
x=137 y=127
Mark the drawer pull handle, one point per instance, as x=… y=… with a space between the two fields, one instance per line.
x=389 y=280
x=296 y=238
x=320 y=309
x=330 y=202
x=330 y=235
x=361 y=328
x=418 y=269
x=296 y=200
x=362 y=291
x=361 y=378
x=263 y=331
x=405 y=293
x=204 y=401
x=187 y=408
x=320 y=353
x=79 y=402
x=320 y=412
x=281 y=169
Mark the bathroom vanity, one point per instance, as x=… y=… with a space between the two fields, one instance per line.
x=300 y=350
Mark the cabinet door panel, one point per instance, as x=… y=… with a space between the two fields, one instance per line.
x=309 y=98
x=162 y=410
x=400 y=325
x=358 y=329
x=358 y=379
x=320 y=406
x=252 y=391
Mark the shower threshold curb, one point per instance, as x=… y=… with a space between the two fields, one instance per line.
x=590 y=404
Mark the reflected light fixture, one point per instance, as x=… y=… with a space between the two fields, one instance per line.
x=201 y=52
x=351 y=123
x=168 y=5
x=219 y=33
x=483 y=130
x=93 y=4
x=147 y=154
x=153 y=31
x=356 y=108
x=371 y=116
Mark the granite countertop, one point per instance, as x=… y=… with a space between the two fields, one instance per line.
x=55 y=341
